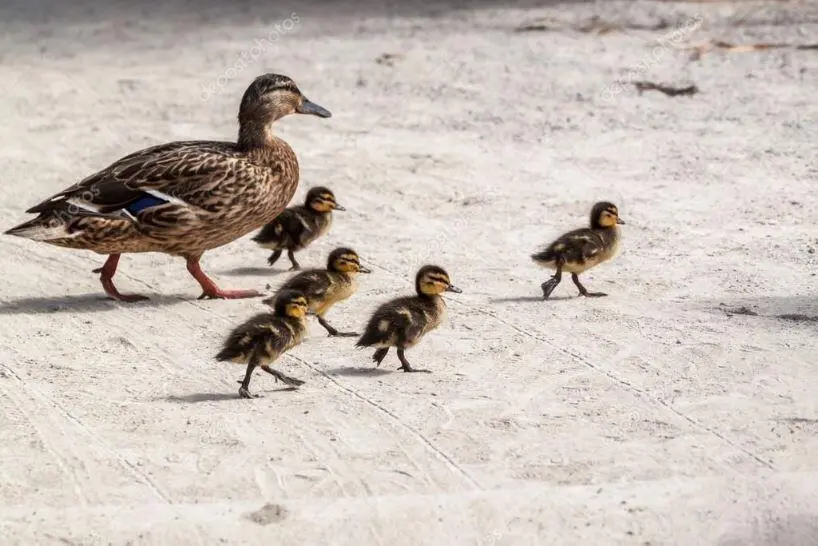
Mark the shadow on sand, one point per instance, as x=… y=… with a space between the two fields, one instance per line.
x=793 y=309
x=359 y=372
x=255 y=271
x=219 y=396
x=525 y=299
x=84 y=303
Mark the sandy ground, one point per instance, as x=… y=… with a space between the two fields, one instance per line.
x=655 y=416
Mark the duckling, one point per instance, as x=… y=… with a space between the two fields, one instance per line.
x=402 y=322
x=326 y=287
x=182 y=198
x=581 y=249
x=264 y=338
x=298 y=226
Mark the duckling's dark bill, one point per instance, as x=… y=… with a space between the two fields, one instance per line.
x=336 y=206
x=454 y=289
x=309 y=107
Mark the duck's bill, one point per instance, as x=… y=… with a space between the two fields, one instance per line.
x=338 y=207
x=453 y=288
x=309 y=107
x=620 y=221
x=362 y=269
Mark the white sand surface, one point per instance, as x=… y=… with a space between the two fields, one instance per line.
x=654 y=416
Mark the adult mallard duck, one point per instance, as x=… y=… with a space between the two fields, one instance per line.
x=582 y=249
x=402 y=322
x=182 y=198
x=298 y=226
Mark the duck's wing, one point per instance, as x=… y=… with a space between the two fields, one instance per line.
x=313 y=284
x=266 y=332
x=175 y=172
x=287 y=229
x=576 y=246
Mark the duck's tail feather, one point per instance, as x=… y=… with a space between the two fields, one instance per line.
x=46 y=227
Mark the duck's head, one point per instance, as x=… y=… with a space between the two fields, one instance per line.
x=605 y=215
x=291 y=303
x=345 y=260
x=321 y=199
x=273 y=96
x=432 y=280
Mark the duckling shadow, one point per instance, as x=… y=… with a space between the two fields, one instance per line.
x=797 y=309
x=255 y=271
x=359 y=372
x=524 y=299
x=85 y=303
x=217 y=396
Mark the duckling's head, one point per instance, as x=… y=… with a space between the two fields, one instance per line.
x=432 y=280
x=291 y=303
x=605 y=215
x=345 y=260
x=321 y=199
x=273 y=96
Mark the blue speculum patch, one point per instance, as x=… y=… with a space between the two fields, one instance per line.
x=144 y=202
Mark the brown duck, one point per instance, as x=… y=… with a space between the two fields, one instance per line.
x=264 y=338
x=402 y=322
x=581 y=249
x=298 y=226
x=326 y=287
x=182 y=198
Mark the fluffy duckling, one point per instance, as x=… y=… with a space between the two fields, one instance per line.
x=264 y=338
x=326 y=287
x=402 y=322
x=298 y=226
x=582 y=249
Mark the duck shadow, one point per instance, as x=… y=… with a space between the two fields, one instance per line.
x=796 y=309
x=255 y=271
x=524 y=299
x=195 y=398
x=359 y=372
x=85 y=303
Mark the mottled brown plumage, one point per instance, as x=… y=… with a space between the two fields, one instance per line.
x=182 y=198
x=402 y=322
x=582 y=249
x=264 y=338
x=326 y=287
x=298 y=226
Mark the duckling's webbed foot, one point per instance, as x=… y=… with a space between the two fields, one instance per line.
x=405 y=366
x=583 y=291
x=210 y=290
x=106 y=277
x=274 y=257
x=291 y=255
x=332 y=331
x=286 y=379
x=549 y=285
x=379 y=355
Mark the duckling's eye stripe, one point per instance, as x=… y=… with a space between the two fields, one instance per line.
x=438 y=278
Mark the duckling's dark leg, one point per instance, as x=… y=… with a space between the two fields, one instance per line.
x=291 y=255
x=209 y=288
x=379 y=355
x=244 y=390
x=274 y=257
x=583 y=291
x=107 y=272
x=405 y=366
x=286 y=379
x=332 y=331
x=549 y=285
